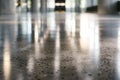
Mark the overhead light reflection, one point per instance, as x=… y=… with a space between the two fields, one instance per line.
x=37 y=50
x=70 y=24
x=57 y=56
x=76 y=56
x=89 y=34
x=51 y=24
x=118 y=56
x=94 y=46
x=51 y=21
x=84 y=25
x=36 y=31
x=89 y=40
x=30 y=65
x=7 y=60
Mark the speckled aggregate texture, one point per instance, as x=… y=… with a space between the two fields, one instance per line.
x=70 y=46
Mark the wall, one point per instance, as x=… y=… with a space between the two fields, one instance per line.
x=107 y=6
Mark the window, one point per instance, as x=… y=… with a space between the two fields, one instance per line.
x=89 y=3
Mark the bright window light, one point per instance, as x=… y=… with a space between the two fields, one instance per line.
x=59 y=4
x=83 y=3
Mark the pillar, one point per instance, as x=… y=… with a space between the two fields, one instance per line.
x=43 y=15
x=43 y=6
x=20 y=32
x=106 y=6
x=35 y=6
x=34 y=11
x=77 y=5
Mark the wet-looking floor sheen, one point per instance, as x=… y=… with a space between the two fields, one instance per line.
x=62 y=46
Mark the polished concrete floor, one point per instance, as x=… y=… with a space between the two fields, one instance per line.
x=65 y=46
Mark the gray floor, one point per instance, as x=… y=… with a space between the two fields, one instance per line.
x=70 y=46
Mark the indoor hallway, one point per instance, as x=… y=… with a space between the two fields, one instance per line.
x=62 y=46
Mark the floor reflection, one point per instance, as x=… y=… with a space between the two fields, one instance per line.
x=118 y=55
x=71 y=27
x=90 y=35
x=57 y=56
x=108 y=48
x=8 y=46
x=7 y=60
x=66 y=46
x=89 y=47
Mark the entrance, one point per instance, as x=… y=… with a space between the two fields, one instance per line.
x=59 y=5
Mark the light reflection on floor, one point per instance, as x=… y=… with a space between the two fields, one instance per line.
x=7 y=60
x=67 y=46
